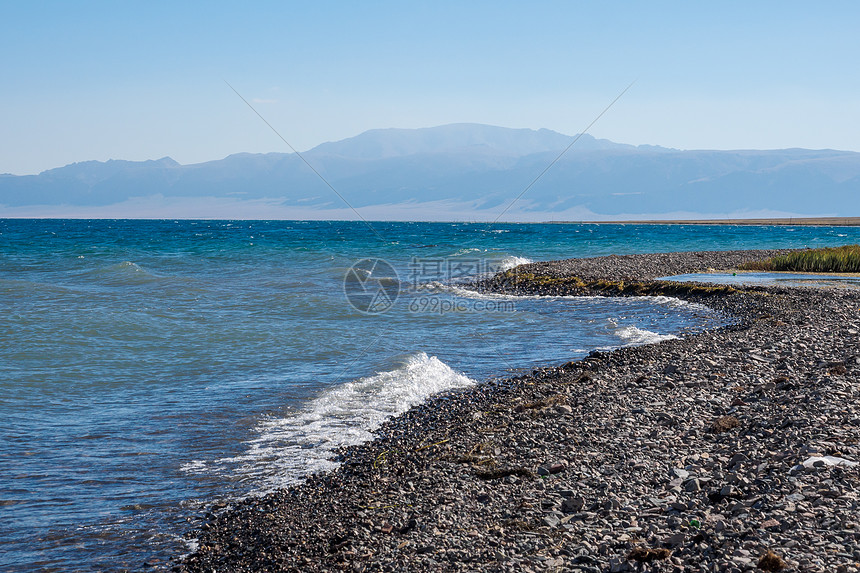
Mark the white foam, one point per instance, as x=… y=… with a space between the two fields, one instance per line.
x=194 y=467
x=466 y=251
x=468 y=293
x=464 y=292
x=634 y=336
x=678 y=303
x=292 y=447
x=461 y=291
x=513 y=261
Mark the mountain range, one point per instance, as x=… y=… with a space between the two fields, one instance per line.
x=453 y=172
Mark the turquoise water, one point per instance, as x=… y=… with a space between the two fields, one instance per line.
x=150 y=367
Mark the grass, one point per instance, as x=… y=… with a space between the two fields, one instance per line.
x=770 y=561
x=845 y=259
x=724 y=424
x=647 y=554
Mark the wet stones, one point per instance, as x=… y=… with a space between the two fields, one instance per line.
x=670 y=457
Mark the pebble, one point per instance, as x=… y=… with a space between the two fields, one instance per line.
x=622 y=456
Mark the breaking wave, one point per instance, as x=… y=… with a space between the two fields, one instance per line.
x=292 y=447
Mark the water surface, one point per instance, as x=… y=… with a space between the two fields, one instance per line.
x=150 y=367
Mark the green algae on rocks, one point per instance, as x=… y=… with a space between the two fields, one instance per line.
x=613 y=287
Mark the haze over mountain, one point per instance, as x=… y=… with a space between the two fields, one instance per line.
x=453 y=172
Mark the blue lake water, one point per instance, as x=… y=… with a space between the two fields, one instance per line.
x=150 y=367
x=777 y=279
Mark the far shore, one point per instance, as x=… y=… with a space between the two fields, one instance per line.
x=786 y=221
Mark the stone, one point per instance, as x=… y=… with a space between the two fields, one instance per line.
x=557 y=467
x=551 y=520
x=572 y=504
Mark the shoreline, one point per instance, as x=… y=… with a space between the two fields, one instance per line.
x=683 y=453
x=770 y=222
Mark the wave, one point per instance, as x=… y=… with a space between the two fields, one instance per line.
x=121 y=274
x=292 y=447
x=465 y=292
x=466 y=251
x=675 y=304
x=513 y=261
x=678 y=303
x=634 y=336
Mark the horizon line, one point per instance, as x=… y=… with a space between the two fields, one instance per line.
x=768 y=222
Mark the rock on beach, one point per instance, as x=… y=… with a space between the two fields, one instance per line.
x=688 y=455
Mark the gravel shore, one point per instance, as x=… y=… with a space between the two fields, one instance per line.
x=647 y=267
x=730 y=450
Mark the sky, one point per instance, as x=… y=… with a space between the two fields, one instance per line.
x=143 y=80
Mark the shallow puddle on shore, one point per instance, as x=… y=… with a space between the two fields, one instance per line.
x=771 y=279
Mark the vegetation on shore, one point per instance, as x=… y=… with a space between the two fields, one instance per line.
x=845 y=259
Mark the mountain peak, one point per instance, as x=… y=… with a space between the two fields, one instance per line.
x=461 y=168
x=456 y=138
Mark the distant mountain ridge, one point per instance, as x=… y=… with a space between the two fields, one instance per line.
x=464 y=171
x=457 y=138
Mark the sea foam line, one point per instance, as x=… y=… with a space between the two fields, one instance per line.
x=291 y=447
x=465 y=292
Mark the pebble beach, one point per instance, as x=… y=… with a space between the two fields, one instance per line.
x=730 y=450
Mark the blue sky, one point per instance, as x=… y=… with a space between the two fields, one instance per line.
x=142 y=80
